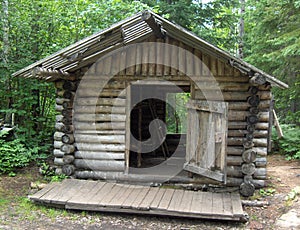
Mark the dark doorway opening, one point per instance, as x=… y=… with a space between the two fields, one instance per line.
x=157 y=123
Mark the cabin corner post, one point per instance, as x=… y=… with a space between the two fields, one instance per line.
x=251 y=148
x=64 y=140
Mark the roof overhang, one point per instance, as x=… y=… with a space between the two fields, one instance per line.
x=131 y=30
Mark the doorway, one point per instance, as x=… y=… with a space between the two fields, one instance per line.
x=157 y=124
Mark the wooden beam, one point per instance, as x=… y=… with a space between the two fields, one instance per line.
x=50 y=73
x=153 y=24
x=258 y=79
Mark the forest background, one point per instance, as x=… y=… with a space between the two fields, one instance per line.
x=265 y=33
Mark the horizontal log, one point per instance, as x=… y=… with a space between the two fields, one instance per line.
x=58 y=153
x=57 y=144
x=60 y=101
x=99 y=126
x=100 y=147
x=100 y=132
x=70 y=86
x=67 y=104
x=238 y=150
x=59 y=84
x=229 y=96
x=255 y=203
x=234 y=115
x=100 y=138
x=58 y=161
x=248 y=168
x=238 y=161
x=63 y=127
x=58 y=171
x=258 y=142
x=99 y=165
x=67 y=148
x=68 y=170
x=67 y=113
x=247 y=189
x=99 y=155
x=99 y=117
x=59 y=118
x=236 y=172
x=242 y=133
x=238 y=181
x=93 y=101
x=57 y=136
x=96 y=84
x=94 y=92
x=68 y=139
x=99 y=109
x=237 y=105
x=68 y=159
x=249 y=156
x=59 y=108
x=243 y=125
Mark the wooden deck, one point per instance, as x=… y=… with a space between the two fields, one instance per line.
x=112 y=197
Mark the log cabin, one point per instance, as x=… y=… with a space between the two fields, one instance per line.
x=117 y=89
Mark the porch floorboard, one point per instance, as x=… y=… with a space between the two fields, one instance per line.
x=101 y=196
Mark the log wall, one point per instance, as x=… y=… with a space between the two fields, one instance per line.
x=100 y=117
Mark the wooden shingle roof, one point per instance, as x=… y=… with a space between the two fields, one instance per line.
x=131 y=30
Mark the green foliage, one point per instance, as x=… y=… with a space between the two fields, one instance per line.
x=289 y=145
x=16 y=154
x=267 y=192
x=176 y=112
x=13 y=154
x=273 y=44
x=49 y=173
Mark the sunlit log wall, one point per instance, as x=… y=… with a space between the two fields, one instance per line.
x=247 y=125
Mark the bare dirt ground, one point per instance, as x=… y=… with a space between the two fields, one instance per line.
x=16 y=212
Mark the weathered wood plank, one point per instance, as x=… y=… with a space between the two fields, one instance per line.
x=207 y=203
x=83 y=194
x=164 y=203
x=176 y=200
x=217 y=207
x=44 y=191
x=236 y=204
x=197 y=203
x=157 y=198
x=186 y=201
x=145 y=204
x=135 y=192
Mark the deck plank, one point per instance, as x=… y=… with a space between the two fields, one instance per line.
x=86 y=190
x=176 y=200
x=207 y=203
x=197 y=203
x=145 y=204
x=154 y=204
x=88 y=199
x=227 y=204
x=119 y=197
x=59 y=191
x=217 y=206
x=112 y=197
x=109 y=195
x=236 y=204
x=135 y=191
x=72 y=189
x=186 y=202
x=140 y=197
x=43 y=192
x=164 y=203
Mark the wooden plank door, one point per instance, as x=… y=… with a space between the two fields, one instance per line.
x=206 y=139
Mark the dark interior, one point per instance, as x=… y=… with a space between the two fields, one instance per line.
x=148 y=102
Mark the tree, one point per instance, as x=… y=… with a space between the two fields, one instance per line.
x=273 y=44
